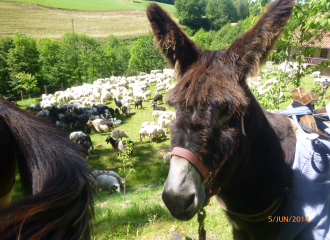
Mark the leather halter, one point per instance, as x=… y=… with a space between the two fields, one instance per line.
x=207 y=176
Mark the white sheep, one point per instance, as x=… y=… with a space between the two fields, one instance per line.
x=106 y=181
x=97 y=173
x=75 y=135
x=156 y=114
x=116 y=134
x=144 y=124
x=167 y=159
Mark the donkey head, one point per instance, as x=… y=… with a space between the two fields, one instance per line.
x=210 y=98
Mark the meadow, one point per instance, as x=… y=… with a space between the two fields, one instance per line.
x=143 y=215
x=40 y=21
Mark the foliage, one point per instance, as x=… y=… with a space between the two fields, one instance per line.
x=127 y=165
x=144 y=55
x=204 y=38
x=310 y=21
x=273 y=95
x=5 y=45
x=49 y=59
x=221 y=12
x=27 y=82
x=22 y=57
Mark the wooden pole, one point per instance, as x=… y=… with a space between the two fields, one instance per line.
x=77 y=82
x=22 y=94
x=45 y=89
x=112 y=72
x=62 y=87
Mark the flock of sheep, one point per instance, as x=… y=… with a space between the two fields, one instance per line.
x=84 y=106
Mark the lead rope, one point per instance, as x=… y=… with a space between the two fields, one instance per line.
x=201 y=217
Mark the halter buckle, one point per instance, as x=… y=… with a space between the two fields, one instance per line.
x=207 y=181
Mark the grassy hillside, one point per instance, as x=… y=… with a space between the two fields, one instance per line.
x=95 y=5
x=38 y=21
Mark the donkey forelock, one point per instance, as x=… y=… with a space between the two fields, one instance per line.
x=209 y=81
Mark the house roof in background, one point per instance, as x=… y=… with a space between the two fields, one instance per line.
x=314 y=42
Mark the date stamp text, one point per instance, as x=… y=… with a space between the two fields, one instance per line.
x=288 y=219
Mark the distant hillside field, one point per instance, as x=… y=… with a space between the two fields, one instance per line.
x=96 y=5
x=38 y=22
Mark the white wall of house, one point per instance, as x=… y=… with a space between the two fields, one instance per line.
x=316 y=54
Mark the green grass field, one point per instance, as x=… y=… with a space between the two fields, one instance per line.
x=39 y=21
x=96 y=5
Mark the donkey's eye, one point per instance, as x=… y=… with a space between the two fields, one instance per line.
x=225 y=113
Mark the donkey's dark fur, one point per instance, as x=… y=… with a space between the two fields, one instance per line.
x=211 y=98
x=54 y=176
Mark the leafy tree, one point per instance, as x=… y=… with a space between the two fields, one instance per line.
x=242 y=8
x=5 y=45
x=221 y=12
x=69 y=61
x=23 y=57
x=190 y=12
x=226 y=35
x=27 y=82
x=144 y=55
x=118 y=56
x=204 y=38
x=311 y=20
x=49 y=58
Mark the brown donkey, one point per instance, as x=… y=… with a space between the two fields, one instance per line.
x=221 y=128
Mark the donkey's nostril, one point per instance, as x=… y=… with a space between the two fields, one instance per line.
x=189 y=201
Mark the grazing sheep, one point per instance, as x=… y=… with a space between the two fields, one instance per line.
x=86 y=141
x=118 y=103
x=167 y=159
x=116 y=134
x=156 y=114
x=161 y=132
x=106 y=181
x=74 y=135
x=144 y=124
x=118 y=145
x=124 y=110
x=157 y=98
x=100 y=125
x=158 y=108
x=137 y=103
x=97 y=173
x=117 y=110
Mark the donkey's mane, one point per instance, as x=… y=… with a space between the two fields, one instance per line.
x=54 y=172
x=201 y=84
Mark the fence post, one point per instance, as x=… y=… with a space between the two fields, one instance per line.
x=100 y=75
x=112 y=73
x=77 y=82
x=22 y=94
x=45 y=89
x=62 y=87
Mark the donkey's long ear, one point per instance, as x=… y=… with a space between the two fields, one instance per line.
x=251 y=47
x=174 y=43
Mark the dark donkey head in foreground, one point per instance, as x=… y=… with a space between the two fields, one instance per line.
x=222 y=124
x=55 y=180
